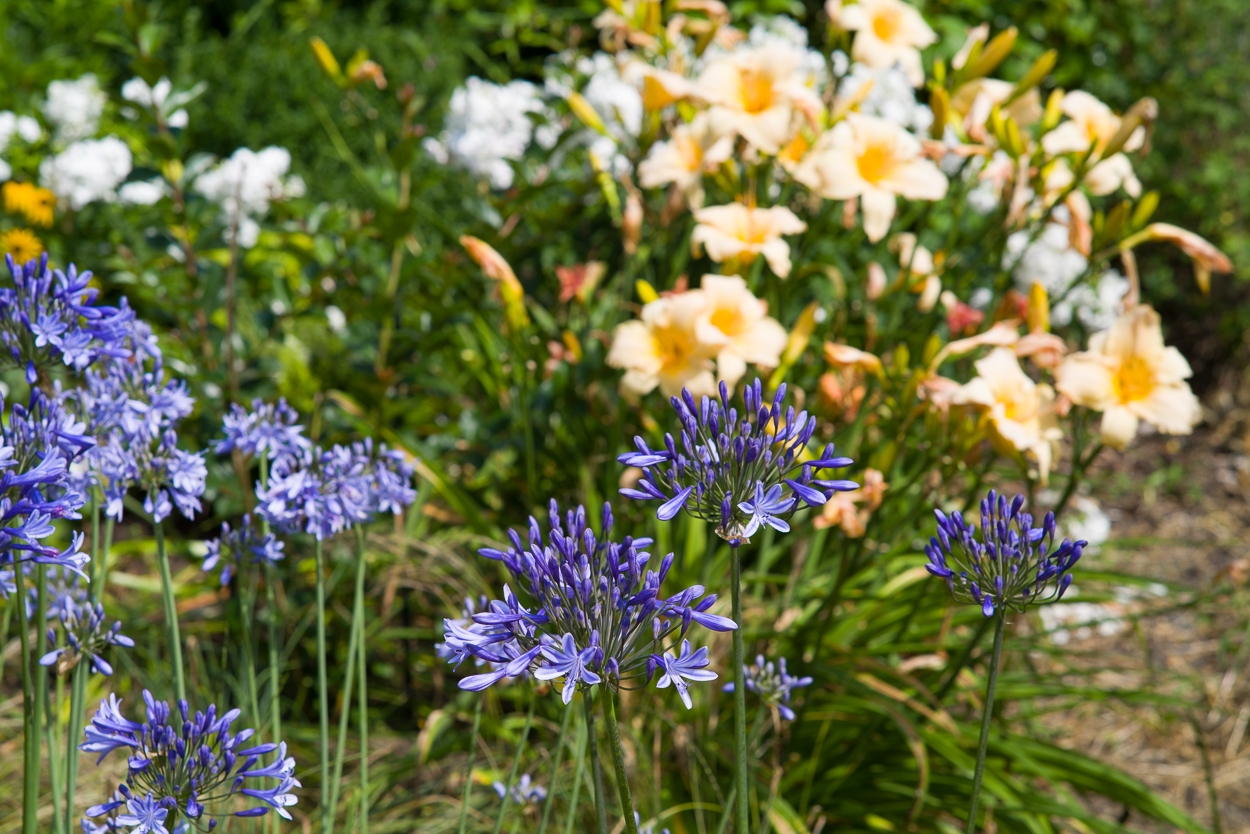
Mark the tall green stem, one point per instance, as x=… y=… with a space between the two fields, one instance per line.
x=580 y=746
x=275 y=666
x=30 y=750
x=247 y=604
x=348 y=678
x=41 y=674
x=468 y=775
x=54 y=753
x=364 y=679
x=323 y=695
x=596 y=766
x=618 y=758
x=171 y=611
x=516 y=764
x=99 y=572
x=555 y=767
x=999 y=627
x=78 y=695
x=741 y=763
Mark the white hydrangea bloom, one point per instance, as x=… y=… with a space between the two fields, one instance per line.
x=891 y=97
x=24 y=127
x=156 y=98
x=244 y=186
x=1050 y=260
x=87 y=171
x=142 y=192
x=488 y=125
x=1097 y=307
x=75 y=107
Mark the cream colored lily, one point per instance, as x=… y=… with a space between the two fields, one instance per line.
x=735 y=232
x=660 y=349
x=888 y=32
x=1090 y=123
x=874 y=160
x=1129 y=375
x=760 y=94
x=735 y=326
x=693 y=150
x=1021 y=411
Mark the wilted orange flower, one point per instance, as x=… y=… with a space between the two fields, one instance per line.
x=579 y=280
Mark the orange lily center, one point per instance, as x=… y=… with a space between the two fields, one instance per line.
x=875 y=163
x=675 y=348
x=726 y=320
x=1134 y=381
x=885 y=26
x=757 y=91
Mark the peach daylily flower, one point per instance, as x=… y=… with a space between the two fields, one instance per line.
x=660 y=349
x=758 y=93
x=874 y=160
x=735 y=325
x=976 y=99
x=851 y=510
x=693 y=150
x=1021 y=411
x=1090 y=123
x=889 y=32
x=737 y=232
x=1130 y=375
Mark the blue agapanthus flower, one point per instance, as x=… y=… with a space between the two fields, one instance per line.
x=1010 y=565
x=244 y=544
x=193 y=767
x=772 y=683
x=87 y=634
x=271 y=430
x=739 y=471
x=596 y=617
x=50 y=318
x=523 y=792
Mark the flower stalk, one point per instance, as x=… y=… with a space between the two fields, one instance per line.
x=606 y=697
x=323 y=695
x=468 y=774
x=171 y=611
x=516 y=763
x=360 y=613
x=741 y=762
x=596 y=766
x=555 y=767
x=984 y=743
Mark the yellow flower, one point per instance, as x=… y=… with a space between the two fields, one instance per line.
x=34 y=203
x=736 y=232
x=758 y=93
x=1129 y=375
x=735 y=325
x=661 y=349
x=21 y=244
x=889 y=32
x=1021 y=411
x=693 y=150
x=875 y=160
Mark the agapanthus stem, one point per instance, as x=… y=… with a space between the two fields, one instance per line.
x=596 y=766
x=607 y=698
x=77 y=699
x=41 y=674
x=54 y=757
x=323 y=695
x=348 y=678
x=468 y=774
x=247 y=605
x=516 y=764
x=30 y=750
x=984 y=744
x=359 y=606
x=575 y=798
x=99 y=575
x=555 y=768
x=741 y=762
x=171 y=611
x=275 y=665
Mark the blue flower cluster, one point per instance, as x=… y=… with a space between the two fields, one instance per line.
x=269 y=429
x=523 y=792
x=246 y=543
x=184 y=764
x=598 y=618
x=773 y=684
x=50 y=317
x=86 y=635
x=1012 y=564
x=325 y=492
x=739 y=472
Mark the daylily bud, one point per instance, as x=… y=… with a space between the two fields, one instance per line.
x=325 y=58
x=1052 y=114
x=585 y=111
x=1143 y=112
x=646 y=292
x=631 y=222
x=1144 y=210
x=993 y=54
x=1040 y=69
x=940 y=104
x=1039 y=309
x=498 y=269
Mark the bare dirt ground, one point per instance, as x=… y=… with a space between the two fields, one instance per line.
x=1180 y=511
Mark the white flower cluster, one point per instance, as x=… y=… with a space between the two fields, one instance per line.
x=158 y=99
x=87 y=171
x=781 y=30
x=488 y=126
x=24 y=127
x=891 y=97
x=244 y=186
x=1052 y=262
x=74 y=107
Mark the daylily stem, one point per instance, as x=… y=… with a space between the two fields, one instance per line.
x=999 y=627
x=741 y=762
x=618 y=759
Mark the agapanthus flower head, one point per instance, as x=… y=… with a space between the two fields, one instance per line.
x=50 y=318
x=189 y=764
x=269 y=429
x=772 y=683
x=596 y=617
x=740 y=472
x=323 y=492
x=87 y=634
x=523 y=792
x=1010 y=565
x=243 y=544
